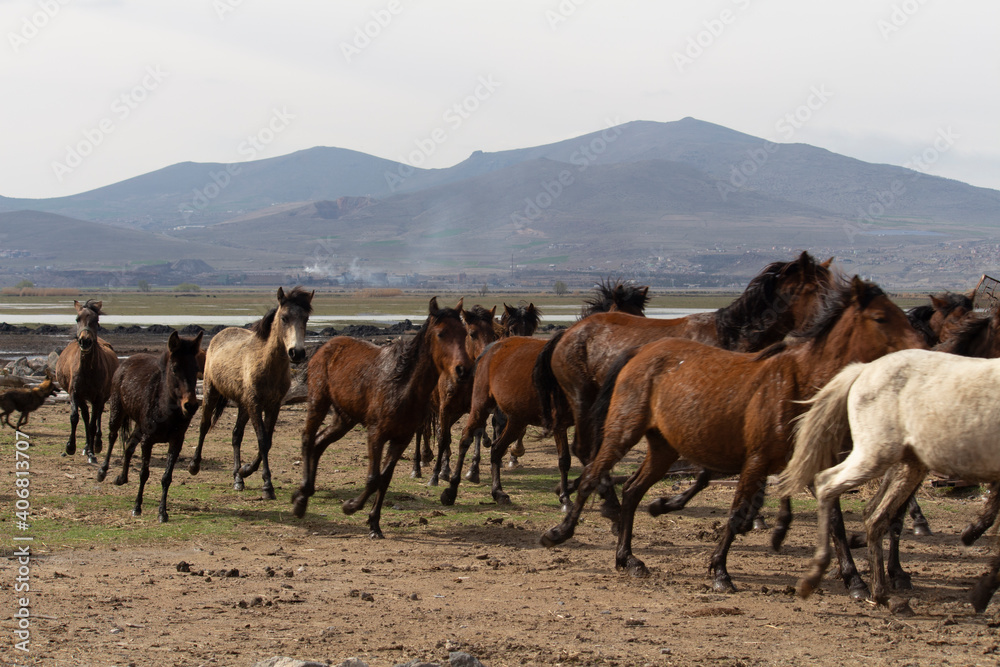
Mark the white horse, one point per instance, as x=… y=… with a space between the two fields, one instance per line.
x=907 y=413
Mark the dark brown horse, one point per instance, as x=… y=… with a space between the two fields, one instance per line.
x=780 y=299
x=387 y=390
x=940 y=319
x=451 y=397
x=251 y=367
x=84 y=370
x=153 y=399
x=727 y=411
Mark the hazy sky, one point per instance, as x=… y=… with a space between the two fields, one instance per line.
x=98 y=91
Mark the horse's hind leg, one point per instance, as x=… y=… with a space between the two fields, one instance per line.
x=210 y=402
x=680 y=501
x=264 y=439
x=986 y=518
x=512 y=430
x=920 y=525
x=313 y=446
x=173 y=452
x=114 y=424
x=901 y=485
x=242 y=417
x=133 y=442
x=375 y=444
x=95 y=418
x=472 y=474
x=659 y=457
x=565 y=459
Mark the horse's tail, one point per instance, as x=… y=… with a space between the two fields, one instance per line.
x=549 y=391
x=219 y=408
x=599 y=410
x=821 y=433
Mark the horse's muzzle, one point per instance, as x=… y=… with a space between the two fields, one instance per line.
x=86 y=343
x=461 y=372
x=190 y=407
x=296 y=354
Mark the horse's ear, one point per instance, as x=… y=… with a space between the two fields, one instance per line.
x=432 y=307
x=174 y=341
x=458 y=306
x=938 y=303
x=827 y=263
x=281 y=295
x=858 y=288
x=804 y=259
x=493 y=312
x=197 y=340
x=644 y=291
x=98 y=305
x=311 y=295
x=531 y=308
x=76 y=304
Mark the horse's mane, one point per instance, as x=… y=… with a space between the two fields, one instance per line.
x=478 y=314
x=618 y=294
x=521 y=315
x=95 y=306
x=747 y=318
x=967 y=335
x=408 y=351
x=298 y=297
x=834 y=302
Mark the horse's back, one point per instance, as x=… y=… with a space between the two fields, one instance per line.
x=343 y=369
x=132 y=382
x=224 y=360
x=510 y=363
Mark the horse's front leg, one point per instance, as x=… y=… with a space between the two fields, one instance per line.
x=173 y=452
x=986 y=518
x=74 y=420
x=147 y=452
x=747 y=500
x=396 y=449
x=242 y=417
x=88 y=433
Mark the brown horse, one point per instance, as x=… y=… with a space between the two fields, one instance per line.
x=939 y=320
x=251 y=367
x=780 y=299
x=727 y=411
x=153 y=399
x=451 y=398
x=387 y=389
x=503 y=384
x=84 y=370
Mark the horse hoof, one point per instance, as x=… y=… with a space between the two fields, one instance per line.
x=267 y=494
x=92 y=460
x=982 y=592
x=472 y=476
x=433 y=481
x=163 y=518
x=723 y=585
x=446 y=475
x=194 y=467
x=238 y=485
x=448 y=496
x=349 y=507
x=137 y=511
x=657 y=507
x=119 y=480
x=502 y=499
x=566 y=506
x=299 y=503
x=804 y=588
x=376 y=534
x=635 y=568
x=901 y=582
x=101 y=474
x=778 y=538
x=859 y=592
x=760 y=524
x=922 y=530
x=98 y=446
x=70 y=450
x=416 y=474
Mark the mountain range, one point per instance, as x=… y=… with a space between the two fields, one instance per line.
x=673 y=200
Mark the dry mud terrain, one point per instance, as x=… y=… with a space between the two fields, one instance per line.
x=106 y=587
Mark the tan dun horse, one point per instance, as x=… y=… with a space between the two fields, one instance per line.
x=84 y=370
x=386 y=389
x=251 y=367
x=153 y=399
x=726 y=411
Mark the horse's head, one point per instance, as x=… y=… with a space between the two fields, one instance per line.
x=861 y=323
x=479 y=325
x=446 y=336
x=950 y=311
x=798 y=289
x=181 y=371
x=291 y=318
x=87 y=315
x=521 y=320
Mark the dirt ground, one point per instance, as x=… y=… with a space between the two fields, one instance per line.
x=320 y=589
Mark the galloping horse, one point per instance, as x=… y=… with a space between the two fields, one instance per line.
x=387 y=389
x=251 y=368
x=451 y=397
x=84 y=370
x=727 y=411
x=153 y=399
x=503 y=384
x=903 y=415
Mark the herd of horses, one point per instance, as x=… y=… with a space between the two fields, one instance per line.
x=808 y=374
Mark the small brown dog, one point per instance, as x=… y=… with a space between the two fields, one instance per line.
x=25 y=401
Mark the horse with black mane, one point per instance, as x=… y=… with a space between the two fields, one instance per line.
x=84 y=370
x=251 y=367
x=153 y=399
x=387 y=390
